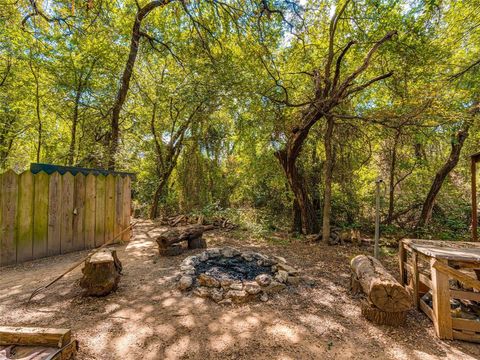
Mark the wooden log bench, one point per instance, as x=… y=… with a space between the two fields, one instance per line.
x=387 y=301
x=168 y=241
x=101 y=273
x=37 y=343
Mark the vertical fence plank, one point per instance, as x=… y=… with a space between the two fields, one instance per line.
x=109 y=207
x=54 y=214
x=126 y=207
x=25 y=217
x=40 y=215
x=9 y=208
x=66 y=234
x=118 y=206
x=90 y=191
x=79 y=213
x=100 y=211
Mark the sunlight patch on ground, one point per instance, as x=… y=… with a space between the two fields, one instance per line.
x=284 y=332
x=180 y=347
x=221 y=342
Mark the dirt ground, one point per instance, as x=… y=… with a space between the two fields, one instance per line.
x=147 y=318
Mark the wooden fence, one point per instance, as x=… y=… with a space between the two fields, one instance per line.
x=43 y=215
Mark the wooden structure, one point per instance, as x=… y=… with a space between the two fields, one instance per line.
x=37 y=343
x=101 y=273
x=387 y=301
x=432 y=267
x=44 y=214
x=193 y=235
x=475 y=158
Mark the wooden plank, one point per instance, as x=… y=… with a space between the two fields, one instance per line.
x=448 y=250
x=457 y=275
x=100 y=211
x=427 y=310
x=461 y=335
x=66 y=233
x=464 y=324
x=79 y=213
x=25 y=217
x=126 y=207
x=109 y=207
x=466 y=295
x=90 y=195
x=424 y=279
x=33 y=336
x=118 y=206
x=54 y=214
x=9 y=210
x=441 y=301
x=40 y=218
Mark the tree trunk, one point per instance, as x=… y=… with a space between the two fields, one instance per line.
x=125 y=81
x=38 y=112
x=452 y=161
x=298 y=186
x=391 y=190
x=327 y=199
x=71 y=152
x=156 y=197
x=381 y=288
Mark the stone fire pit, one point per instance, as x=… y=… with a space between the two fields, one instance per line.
x=227 y=275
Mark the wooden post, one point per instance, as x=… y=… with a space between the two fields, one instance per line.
x=474 y=158
x=402 y=257
x=441 y=301
x=415 y=280
x=377 y=216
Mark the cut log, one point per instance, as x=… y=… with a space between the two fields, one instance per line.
x=173 y=236
x=355 y=286
x=101 y=273
x=197 y=243
x=381 y=288
x=173 y=250
x=377 y=316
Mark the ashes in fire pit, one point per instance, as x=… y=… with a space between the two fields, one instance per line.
x=227 y=275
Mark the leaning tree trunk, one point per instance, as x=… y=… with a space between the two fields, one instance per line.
x=298 y=186
x=125 y=81
x=452 y=161
x=156 y=198
x=327 y=199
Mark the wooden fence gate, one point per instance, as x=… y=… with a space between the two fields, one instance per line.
x=49 y=214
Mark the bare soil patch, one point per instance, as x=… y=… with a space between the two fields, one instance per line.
x=148 y=318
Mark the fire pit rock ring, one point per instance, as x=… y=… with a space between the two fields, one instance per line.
x=227 y=275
